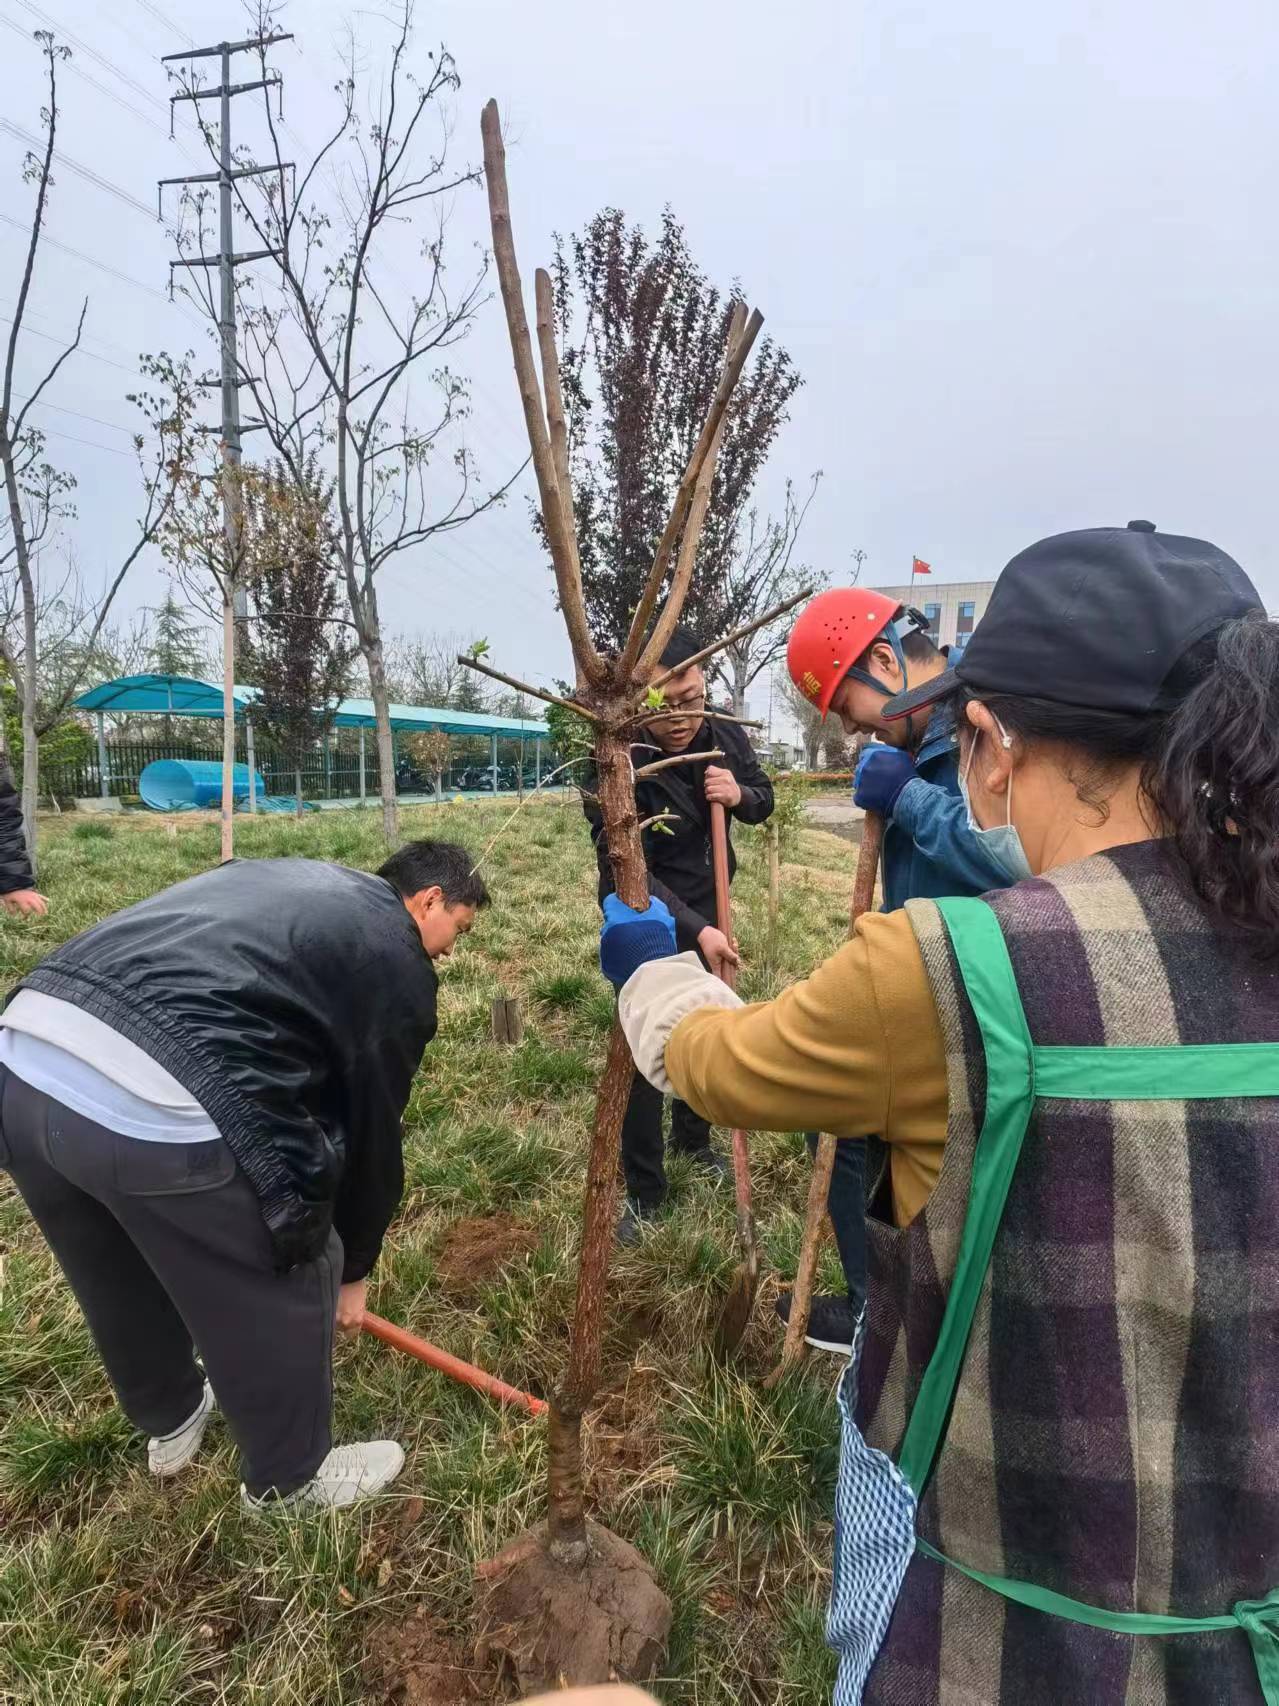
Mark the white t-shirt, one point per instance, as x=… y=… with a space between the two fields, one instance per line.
x=81 y=1062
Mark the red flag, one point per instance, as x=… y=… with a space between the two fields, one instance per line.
x=919 y=567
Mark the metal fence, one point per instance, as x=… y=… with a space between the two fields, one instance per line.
x=329 y=772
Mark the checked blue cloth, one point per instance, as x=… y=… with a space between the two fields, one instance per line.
x=874 y=1543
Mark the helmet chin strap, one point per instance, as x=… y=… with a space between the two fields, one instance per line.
x=893 y=635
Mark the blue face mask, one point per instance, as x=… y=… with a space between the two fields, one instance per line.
x=1001 y=845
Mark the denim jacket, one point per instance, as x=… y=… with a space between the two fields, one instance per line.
x=929 y=850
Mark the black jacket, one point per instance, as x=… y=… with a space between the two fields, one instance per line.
x=15 y=864
x=293 y=999
x=679 y=865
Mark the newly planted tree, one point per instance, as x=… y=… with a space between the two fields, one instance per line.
x=569 y=1601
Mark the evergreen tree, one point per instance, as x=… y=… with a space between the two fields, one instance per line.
x=177 y=642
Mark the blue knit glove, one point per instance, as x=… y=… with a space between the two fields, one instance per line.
x=629 y=938
x=881 y=774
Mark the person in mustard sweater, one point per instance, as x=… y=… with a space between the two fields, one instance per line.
x=1059 y=1474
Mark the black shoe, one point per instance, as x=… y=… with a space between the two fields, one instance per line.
x=717 y=1168
x=635 y=1216
x=831 y=1321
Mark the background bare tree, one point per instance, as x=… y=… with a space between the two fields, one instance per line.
x=423 y=669
x=642 y=330
x=209 y=559
x=430 y=750
x=808 y=720
x=38 y=500
x=762 y=573
x=300 y=643
x=331 y=338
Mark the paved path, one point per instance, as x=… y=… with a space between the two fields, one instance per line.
x=832 y=813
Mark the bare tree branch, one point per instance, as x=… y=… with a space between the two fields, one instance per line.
x=526 y=687
x=660 y=681
x=679 y=758
x=554 y=508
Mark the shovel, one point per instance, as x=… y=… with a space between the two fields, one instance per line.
x=736 y=1313
x=819 y=1188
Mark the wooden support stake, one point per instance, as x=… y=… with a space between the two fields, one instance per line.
x=508 y=1020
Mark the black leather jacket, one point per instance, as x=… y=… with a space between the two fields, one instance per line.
x=293 y=999
x=15 y=866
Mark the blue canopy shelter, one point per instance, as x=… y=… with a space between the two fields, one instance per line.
x=183 y=696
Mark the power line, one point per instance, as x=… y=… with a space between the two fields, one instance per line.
x=104 y=89
x=93 y=443
x=86 y=172
x=62 y=409
x=102 y=266
x=68 y=35
x=168 y=23
x=53 y=338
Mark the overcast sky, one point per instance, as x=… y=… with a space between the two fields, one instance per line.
x=1023 y=255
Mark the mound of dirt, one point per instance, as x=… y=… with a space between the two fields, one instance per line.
x=479 y=1247
x=547 y=1624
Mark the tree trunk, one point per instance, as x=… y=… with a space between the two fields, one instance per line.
x=371 y=646
x=30 y=737
x=30 y=773
x=774 y=880
x=567 y=1515
x=297 y=783
x=439 y=786
x=228 y=728
x=27 y=683
x=740 y=663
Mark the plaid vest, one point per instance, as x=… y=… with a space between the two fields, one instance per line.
x=1115 y=1431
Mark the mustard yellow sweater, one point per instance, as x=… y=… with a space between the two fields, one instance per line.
x=855 y=1049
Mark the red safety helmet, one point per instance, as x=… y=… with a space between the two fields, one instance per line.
x=832 y=633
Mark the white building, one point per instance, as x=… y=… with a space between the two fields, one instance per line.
x=953 y=608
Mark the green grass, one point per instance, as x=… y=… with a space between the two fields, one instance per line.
x=117 y=1591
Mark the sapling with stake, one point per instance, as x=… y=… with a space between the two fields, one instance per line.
x=570 y=1602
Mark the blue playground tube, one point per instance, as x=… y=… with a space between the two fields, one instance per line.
x=186 y=784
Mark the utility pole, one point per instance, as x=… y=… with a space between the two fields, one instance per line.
x=235 y=601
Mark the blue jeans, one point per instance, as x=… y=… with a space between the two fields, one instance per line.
x=846 y=1205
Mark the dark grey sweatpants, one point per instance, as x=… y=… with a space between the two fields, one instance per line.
x=165 y=1247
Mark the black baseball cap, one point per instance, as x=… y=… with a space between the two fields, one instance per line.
x=1099 y=619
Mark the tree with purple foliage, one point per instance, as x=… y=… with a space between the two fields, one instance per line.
x=301 y=647
x=643 y=332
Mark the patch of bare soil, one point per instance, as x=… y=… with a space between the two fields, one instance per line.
x=420 y=1662
x=476 y=1249
x=623 y=1441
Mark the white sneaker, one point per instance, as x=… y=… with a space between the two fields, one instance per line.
x=348 y=1474
x=168 y=1453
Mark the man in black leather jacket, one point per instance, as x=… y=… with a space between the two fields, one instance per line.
x=200 y=1102
x=17 y=885
x=681 y=873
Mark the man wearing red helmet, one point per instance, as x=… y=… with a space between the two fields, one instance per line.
x=851 y=650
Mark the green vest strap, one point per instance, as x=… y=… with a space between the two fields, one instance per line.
x=1258 y=1618
x=1017 y=1072
x=1185 y=1074
x=987 y=973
